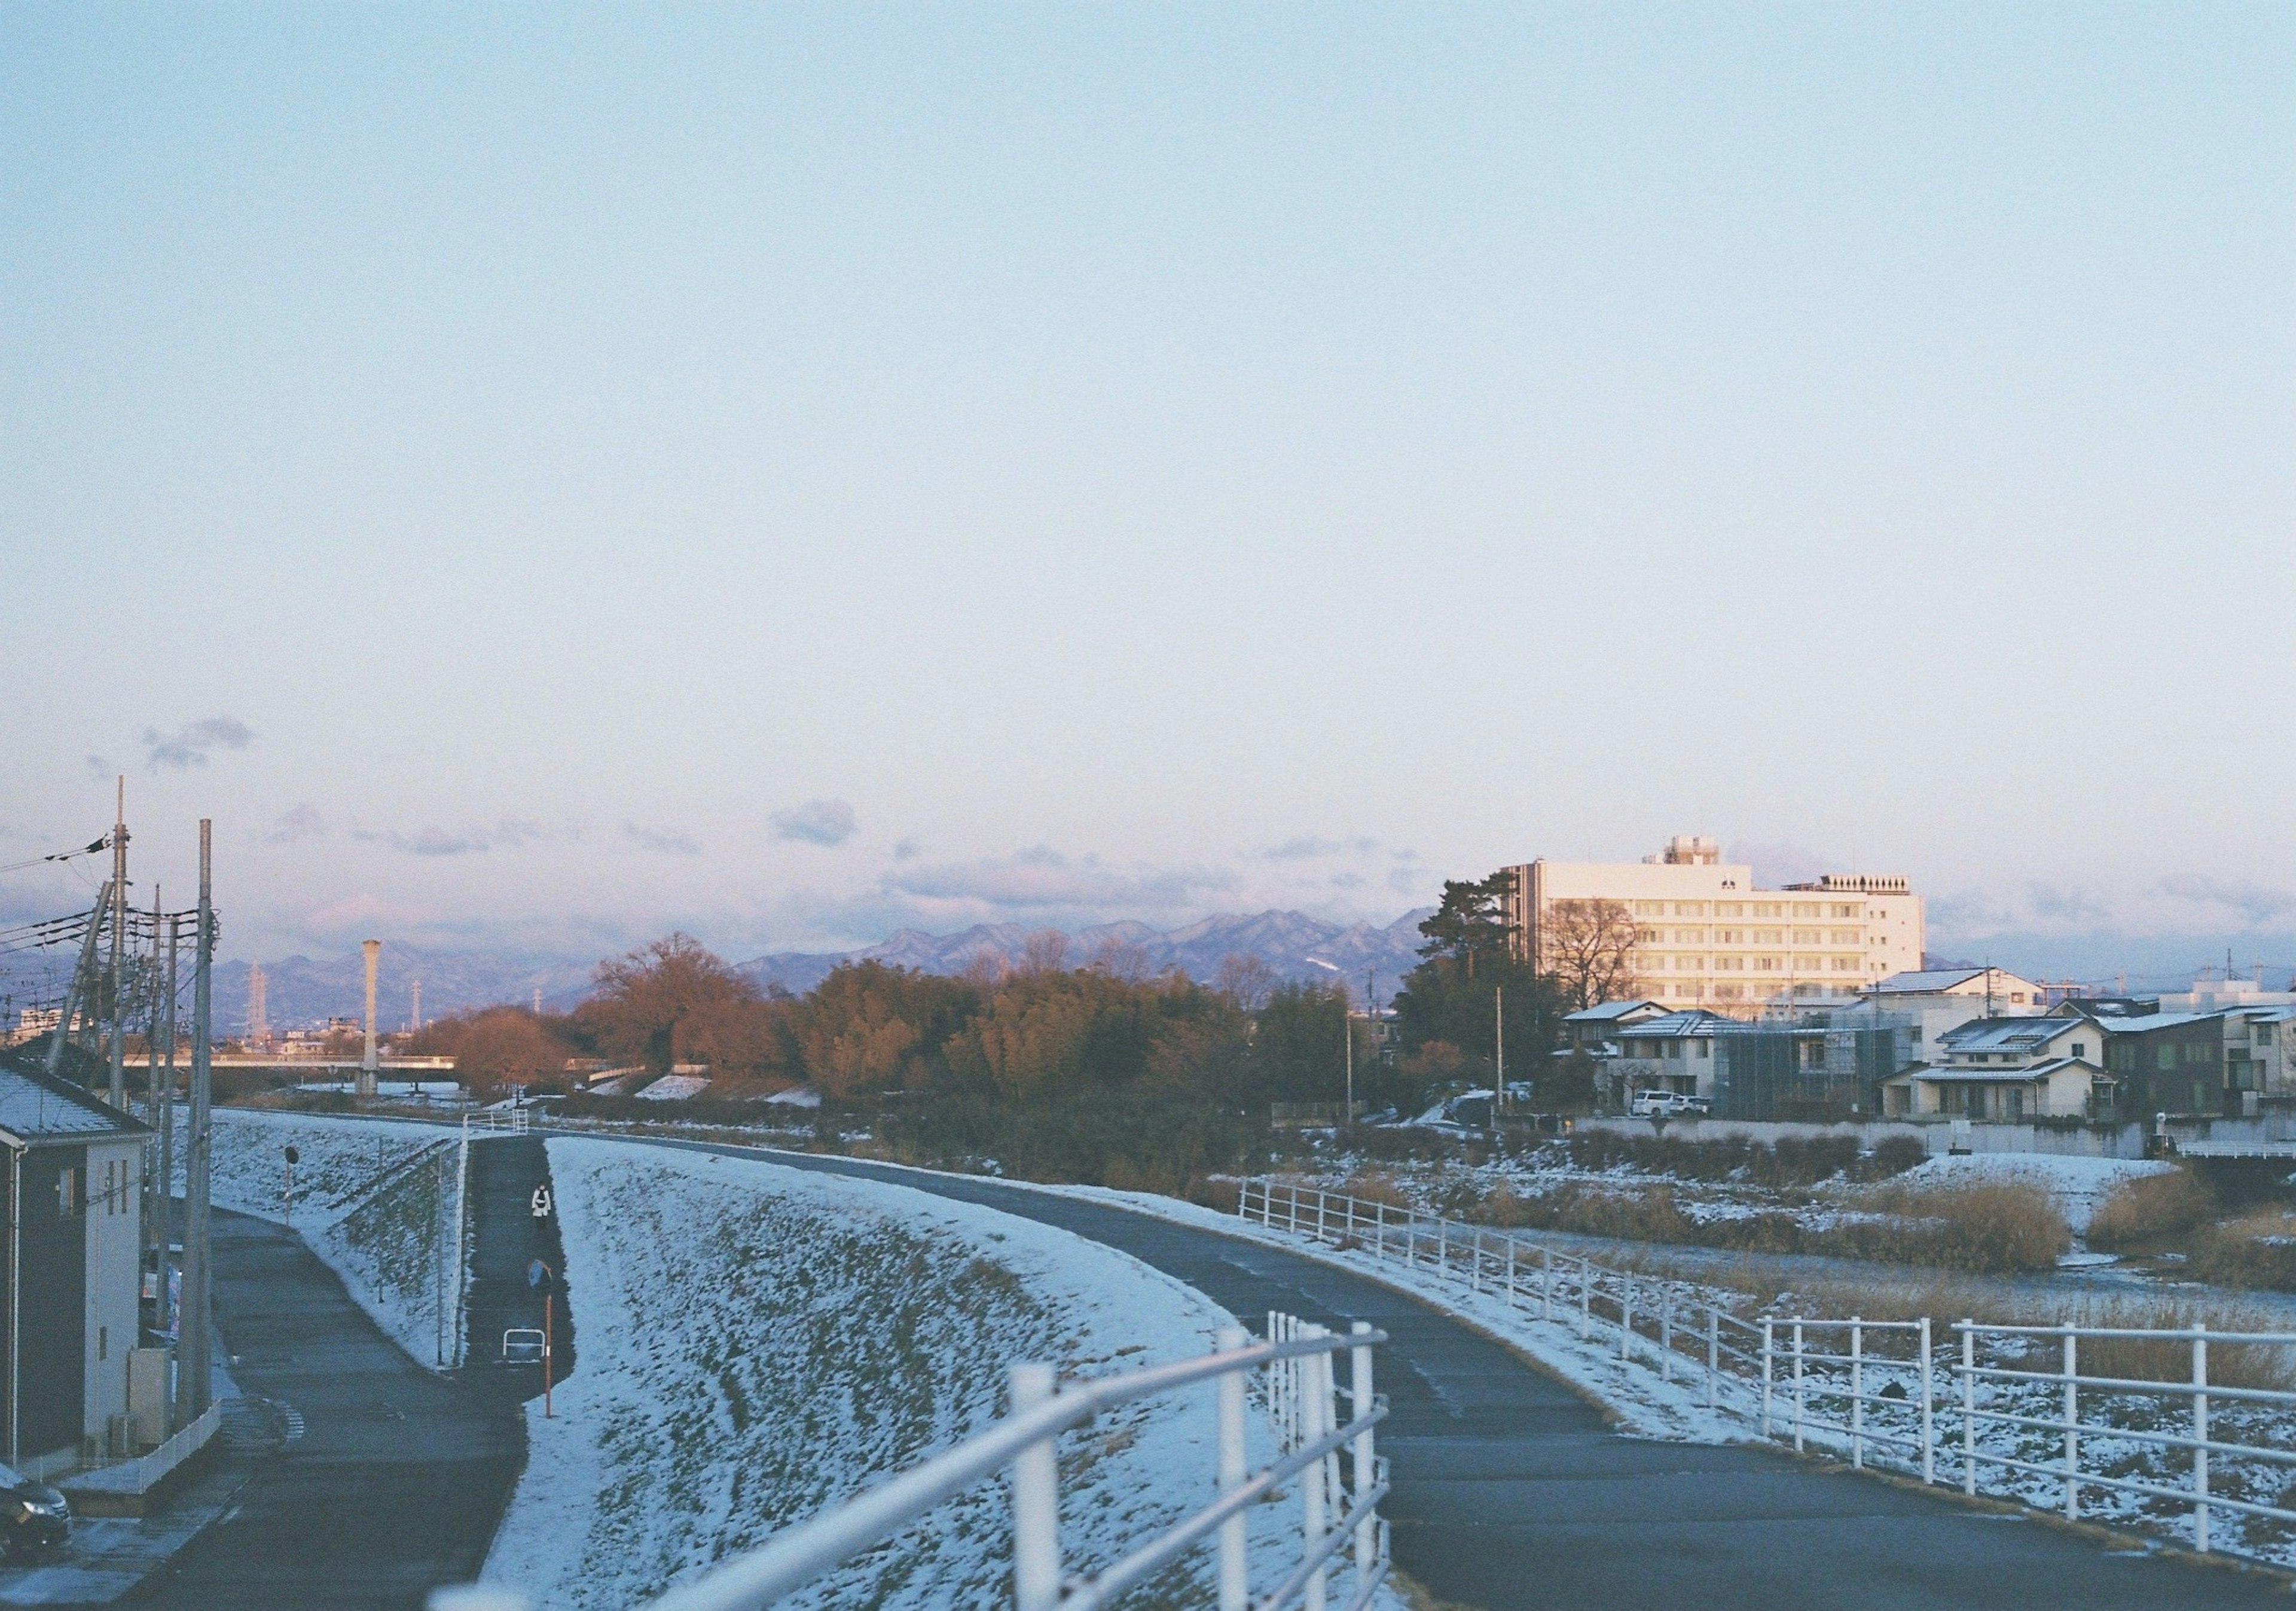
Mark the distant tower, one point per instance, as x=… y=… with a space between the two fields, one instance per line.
x=418 y=1006
x=537 y=1001
x=258 y=1013
x=367 y=1078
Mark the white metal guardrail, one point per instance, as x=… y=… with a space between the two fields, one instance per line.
x=1870 y=1390
x=1341 y=1480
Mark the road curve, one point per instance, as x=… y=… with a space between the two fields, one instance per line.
x=1511 y=1493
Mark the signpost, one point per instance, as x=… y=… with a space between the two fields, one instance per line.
x=541 y=1276
x=293 y=1159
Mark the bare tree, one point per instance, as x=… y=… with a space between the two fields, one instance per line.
x=1046 y=951
x=1588 y=946
x=1245 y=980
x=1125 y=960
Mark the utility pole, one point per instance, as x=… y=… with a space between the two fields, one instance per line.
x=155 y=1183
x=1498 y=1043
x=118 y=1089
x=1347 y=1028
x=76 y=992
x=192 y=1342
x=166 y=1120
x=417 y=1025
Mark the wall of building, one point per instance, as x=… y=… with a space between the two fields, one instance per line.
x=111 y=1260
x=1708 y=937
x=51 y=1313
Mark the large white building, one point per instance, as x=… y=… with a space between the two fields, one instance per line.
x=1706 y=936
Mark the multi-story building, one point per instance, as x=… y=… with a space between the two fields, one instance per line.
x=1705 y=935
x=1945 y=999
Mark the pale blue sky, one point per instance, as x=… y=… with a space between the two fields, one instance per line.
x=789 y=472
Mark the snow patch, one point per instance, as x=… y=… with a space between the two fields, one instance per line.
x=2079 y=1185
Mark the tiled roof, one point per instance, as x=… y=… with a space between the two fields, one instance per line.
x=1602 y=1012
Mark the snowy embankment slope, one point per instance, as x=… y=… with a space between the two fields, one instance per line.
x=375 y=1199
x=2078 y=1184
x=759 y=1343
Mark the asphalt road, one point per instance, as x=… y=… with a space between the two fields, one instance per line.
x=506 y=1237
x=1510 y=1491
x=396 y=1478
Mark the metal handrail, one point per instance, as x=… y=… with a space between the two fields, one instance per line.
x=1568 y=1288
x=1023 y=1440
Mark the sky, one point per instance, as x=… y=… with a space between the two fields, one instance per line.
x=538 y=477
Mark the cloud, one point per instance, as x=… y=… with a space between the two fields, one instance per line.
x=1306 y=847
x=2257 y=903
x=817 y=822
x=425 y=841
x=188 y=746
x=907 y=850
x=2076 y=906
x=98 y=767
x=665 y=841
x=1040 y=880
x=508 y=834
x=303 y=823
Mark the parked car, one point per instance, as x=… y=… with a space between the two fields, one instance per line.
x=1665 y=1104
x=33 y=1516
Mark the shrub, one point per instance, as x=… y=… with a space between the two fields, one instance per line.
x=2148 y=1208
x=2256 y=1250
x=1988 y=1226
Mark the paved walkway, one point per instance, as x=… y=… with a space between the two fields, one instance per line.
x=398 y=1478
x=1509 y=1492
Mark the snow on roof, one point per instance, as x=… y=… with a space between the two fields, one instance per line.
x=2152 y=1021
x=1689 y=1021
x=2009 y=1034
x=1917 y=983
x=674 y=1088
x=34 y=1108
x=1604 y=1011
x=1991 y=1076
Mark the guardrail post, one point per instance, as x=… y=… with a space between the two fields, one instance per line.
x=1713 y=1354
x=1626 y=1314
x=1666 y=1332
x=1856 y=1394
x=1035 y=1501
x=1292 y=1200
x=1928 y=1417
x=1322 y=1214
x=1513 y=1294
x=1234 y=1541
x=1585 y=1299
x=2072 y=1431
x=1379 y=1230
x=1442 y=1245
x=2201 y=1437
x=1801 y=1391
x=1968 y=1408
x=1313 y=1411
x=1545 y=1285
x=1363 y=1456
x=1769 y=1354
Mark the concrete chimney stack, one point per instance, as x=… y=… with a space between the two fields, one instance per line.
x=367 y=1079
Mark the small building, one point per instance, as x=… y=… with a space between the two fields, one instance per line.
x=2016 y=1042
x=1593 y=1027
x=71 y=1176
x=1809 y=1070
x=2062 y=1087
x=2174 y=1063
x=1935 y=1001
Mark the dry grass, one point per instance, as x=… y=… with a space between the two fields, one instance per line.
x=2003 y=1225
x=2257 y=1249
x=2148 y=1209
x=1375 y=1187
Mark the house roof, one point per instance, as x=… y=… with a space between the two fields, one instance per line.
x=2154 y=1020
x=36 y=1110
x=1922 y=982
x=1689 y=1021
x=1605 y=1012
x=1940 y=1075
x=1983 y=1036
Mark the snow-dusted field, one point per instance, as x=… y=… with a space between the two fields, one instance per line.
x=376 y=1199
x=2078 y=1184
x=759 y=1343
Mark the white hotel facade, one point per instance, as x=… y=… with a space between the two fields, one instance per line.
x=1705 y=936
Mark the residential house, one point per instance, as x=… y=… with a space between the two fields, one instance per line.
x=1592 y=1028
x=71 y=1179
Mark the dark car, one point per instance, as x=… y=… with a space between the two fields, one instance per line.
x=33 y=1516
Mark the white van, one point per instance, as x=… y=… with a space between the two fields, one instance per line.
x=1665 y=1104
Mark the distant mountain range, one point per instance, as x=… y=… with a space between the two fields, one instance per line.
x=1294 y=946
x=300 y=991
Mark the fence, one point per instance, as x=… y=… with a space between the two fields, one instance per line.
x=1868 y=1390
x=140 y=1475
x=1341 y=1481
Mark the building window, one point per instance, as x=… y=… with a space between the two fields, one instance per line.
x=1689 y=909
x=2080 y=1048
x=1807 y=909
x=1805 y=936
x=1729 y=993
x=2166 y=1056
x=1845 y=911
x=1729 y=909
x=1649 y=909
x=1770 y=964
x=1845 y=964
x=1769 y=936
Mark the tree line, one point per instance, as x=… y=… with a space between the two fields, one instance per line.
x=1041 y=1029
